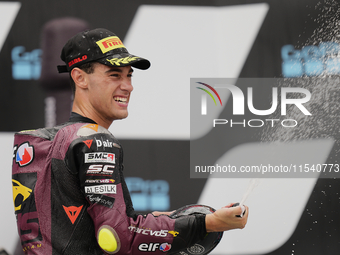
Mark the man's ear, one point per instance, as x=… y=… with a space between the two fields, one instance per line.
x=79 y=78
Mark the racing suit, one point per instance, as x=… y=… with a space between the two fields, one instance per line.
x=70 y=197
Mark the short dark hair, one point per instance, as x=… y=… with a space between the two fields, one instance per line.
x=87 y=68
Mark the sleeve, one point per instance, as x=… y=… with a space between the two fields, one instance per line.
x=119 y=229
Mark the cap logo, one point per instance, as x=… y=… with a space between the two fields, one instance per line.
x=110 y=43
x=77 y=60
x=118 y=61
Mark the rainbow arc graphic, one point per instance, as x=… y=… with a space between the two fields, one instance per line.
x=204 y=98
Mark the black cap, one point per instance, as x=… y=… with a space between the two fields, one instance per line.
x=100 y=45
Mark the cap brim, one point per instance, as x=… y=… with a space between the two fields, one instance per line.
x=125 y=59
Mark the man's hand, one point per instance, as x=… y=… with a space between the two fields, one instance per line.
x=225 y=219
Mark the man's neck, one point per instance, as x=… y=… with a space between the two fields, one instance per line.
x=95 y=118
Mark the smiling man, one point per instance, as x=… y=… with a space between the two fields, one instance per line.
x=103 y=95
x=79 y=202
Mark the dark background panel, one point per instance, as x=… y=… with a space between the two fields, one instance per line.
x=164 y=160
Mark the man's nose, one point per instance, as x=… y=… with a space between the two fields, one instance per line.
x=126 y=85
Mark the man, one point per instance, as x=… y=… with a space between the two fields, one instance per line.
x=69 y=191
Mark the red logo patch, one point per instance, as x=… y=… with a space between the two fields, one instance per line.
x=24 y=154
x=88 y=143
x=72 y=212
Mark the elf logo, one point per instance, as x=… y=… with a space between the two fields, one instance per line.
x=145 y=247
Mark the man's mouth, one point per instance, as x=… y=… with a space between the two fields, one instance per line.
x=120 y=99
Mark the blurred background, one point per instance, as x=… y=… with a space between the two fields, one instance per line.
x=187 y=39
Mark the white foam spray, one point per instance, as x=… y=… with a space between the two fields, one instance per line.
x=252 y=184
x=324 y=104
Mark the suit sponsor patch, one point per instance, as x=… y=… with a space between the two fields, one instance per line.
x=100 y=170
x=104 y=157
x=101 y=189
x=24 y=154
x=101 y=199
x=72 y=212
x=23 y=185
